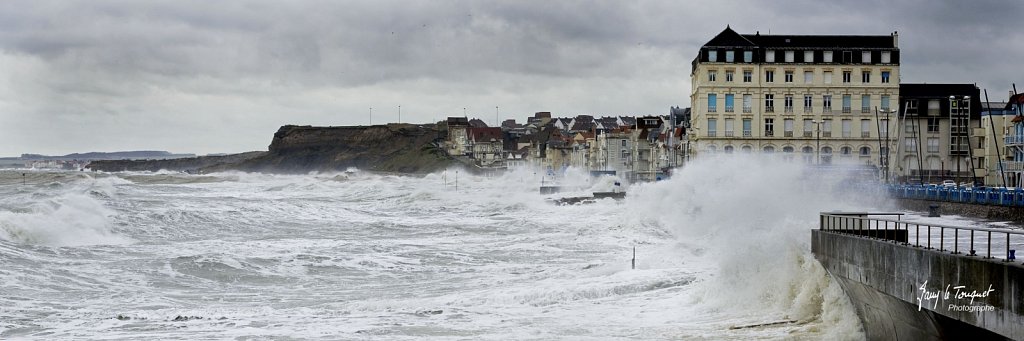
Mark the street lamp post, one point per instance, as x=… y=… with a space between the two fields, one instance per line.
x=399 y=114
x=817 y=141
x=371 y=115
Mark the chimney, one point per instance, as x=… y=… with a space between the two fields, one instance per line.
x=895 y=39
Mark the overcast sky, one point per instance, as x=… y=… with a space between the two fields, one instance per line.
x=221 y=76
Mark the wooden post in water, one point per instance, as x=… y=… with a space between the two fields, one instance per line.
x=634 y=258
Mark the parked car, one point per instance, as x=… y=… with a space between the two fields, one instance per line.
x=948 y=183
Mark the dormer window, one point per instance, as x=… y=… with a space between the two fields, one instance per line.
x=808 y=56
x=712 y=56
x=748 y=56
x=769 y=56
x=729 y=56
x=789 y=56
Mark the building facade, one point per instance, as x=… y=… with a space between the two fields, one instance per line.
x=938 y=137
x=809 y=95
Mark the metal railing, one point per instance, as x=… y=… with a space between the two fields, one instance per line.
x=995 y=196
x=1014 y=140
x=970 y=241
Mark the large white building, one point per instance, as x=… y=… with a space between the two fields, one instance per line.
x=810 y=97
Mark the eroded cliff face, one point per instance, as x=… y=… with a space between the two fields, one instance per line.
x=402 y=148
x=190 y=164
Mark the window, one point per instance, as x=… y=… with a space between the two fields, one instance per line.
x=846 y=104
x=769 y=127
x=808 y=103
x=712 y=56
x=787 y=126
x=788 y=102
x=769 y=76
x=729 y=56
x=826 y=155
x=826 y=103
x=746 y=127
x=728 y=75
x=712 y=102
x=746 y=149
x=769 y=56
x=623 y=142
x=727 y=149
x=728 y=102
x=769 y=150
x=711 y=75
x=747 y=99
x=748 y=76
x=933 y=124
x=808 y=77
x=933 y=107
x=712 y=127
x=865 y=151
x=911 y=106
x=933 y=144
x=910 y=127
x=748 y=56
x=789 y=56
x=865 y=128
x=845 y=151
x=886 y=57
x=847 y=127
x=789 y=76
x=808 y=127
x=826 y=56
x=847 y=57
x=865 y=103
x=828 y=77
x=884 y=128
x=808 y=56
x=865 y=76
x=865 y=57
x=885 y=102
x=769 y=103
x=729 y=127
x=847 y=76
x=910 y=144
x=826 y=128
x=808 y=154
x=885 y=76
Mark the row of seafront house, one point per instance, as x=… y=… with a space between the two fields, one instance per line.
x=823 y=100
x=637 y=148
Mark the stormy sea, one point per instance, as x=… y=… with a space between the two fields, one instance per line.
x=722 y=252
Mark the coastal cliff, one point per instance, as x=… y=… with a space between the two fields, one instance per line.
x=189 y=164
x=400 y=148
x=397 y=148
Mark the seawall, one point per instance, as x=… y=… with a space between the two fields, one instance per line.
x=884 y=281
x=991 y=212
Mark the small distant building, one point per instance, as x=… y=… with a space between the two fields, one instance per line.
x=458 y=136
x=487 y=146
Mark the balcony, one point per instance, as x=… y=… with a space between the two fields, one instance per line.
x=769 y=133
x=729 y=133
x=789 y=110
x=827 y=111
x=865 y=110
x=712 y=133
x=789 y=134
x=746 y=110
x=865 y=134
x=886 y=109
x=1013 y=166
x=808 y=134
x=729 y=109
x=808 y=110
x=712 y=109
x=826 y=134
x=847 y=110
x=1014 y=140
x=769 y=109
x=746 y=133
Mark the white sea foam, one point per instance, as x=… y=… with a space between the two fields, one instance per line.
x=362 y=255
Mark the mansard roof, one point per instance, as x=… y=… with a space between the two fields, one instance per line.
x=822 y=41
x=730 y=38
